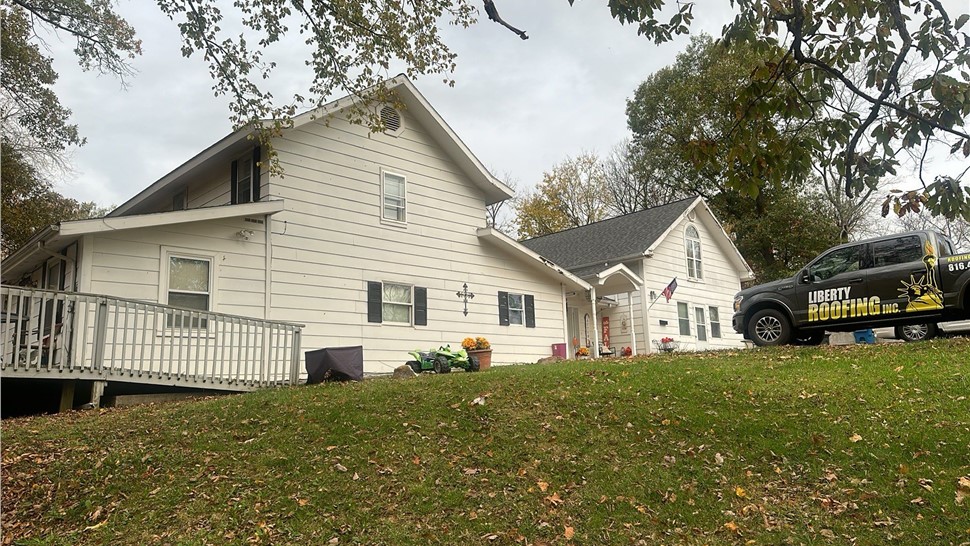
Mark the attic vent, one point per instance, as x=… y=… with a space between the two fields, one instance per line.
x=691 y=216
x=391 y=119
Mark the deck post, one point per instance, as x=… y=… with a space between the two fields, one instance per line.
x=97 y=391
x=67 y=395
x=100 y=330
x=295 y=358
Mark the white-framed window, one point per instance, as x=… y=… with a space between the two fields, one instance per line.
x=396 y=303
x=692 y=246
x=701 y=322
x=517 y=309
x=683 y=318
x=393 y=197
x=187 y=282
x=715 y=322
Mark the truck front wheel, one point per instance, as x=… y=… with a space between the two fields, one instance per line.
x=769 y=327
x=916 y=332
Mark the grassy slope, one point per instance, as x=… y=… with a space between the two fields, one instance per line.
x=753 y=447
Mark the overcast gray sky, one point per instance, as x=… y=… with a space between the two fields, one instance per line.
x=520 y=106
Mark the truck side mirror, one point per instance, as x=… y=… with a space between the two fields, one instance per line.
x=803 y=277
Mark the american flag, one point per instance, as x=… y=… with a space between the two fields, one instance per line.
x=669 y=291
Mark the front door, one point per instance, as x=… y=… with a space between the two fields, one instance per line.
x=834 y=289
x=700 y=321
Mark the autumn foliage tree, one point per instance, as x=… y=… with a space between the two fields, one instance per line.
x=572 y=194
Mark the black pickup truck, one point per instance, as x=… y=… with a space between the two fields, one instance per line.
x=898 y=280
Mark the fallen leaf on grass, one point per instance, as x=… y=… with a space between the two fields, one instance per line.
x=543 y=486
x=732 y=527
x=740 y=492
x=340 y=467
x=554 y=499
x=719 y=459
x=569 y=533
x=963 y=489
x=855 y=438
x=97 y=526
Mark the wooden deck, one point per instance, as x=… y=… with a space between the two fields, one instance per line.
x=54 y=335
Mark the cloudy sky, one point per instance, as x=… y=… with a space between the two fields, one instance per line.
x=520 y=106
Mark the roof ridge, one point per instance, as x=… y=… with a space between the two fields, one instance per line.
x=600 y=222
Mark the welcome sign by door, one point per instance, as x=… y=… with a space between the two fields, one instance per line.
x=606 y=333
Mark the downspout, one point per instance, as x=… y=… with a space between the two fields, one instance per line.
x=565 y=317
x=268 y=273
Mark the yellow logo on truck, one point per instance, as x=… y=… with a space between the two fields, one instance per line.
x=924 y=294
x=838 y=304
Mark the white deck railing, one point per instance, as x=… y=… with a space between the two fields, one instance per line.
x=46 y=333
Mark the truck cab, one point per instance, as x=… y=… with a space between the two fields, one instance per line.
x=909 y=278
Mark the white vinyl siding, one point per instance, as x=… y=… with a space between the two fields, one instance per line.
x=337 y=240
x=394 y=197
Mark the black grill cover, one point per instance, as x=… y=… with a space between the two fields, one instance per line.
x=335 y=364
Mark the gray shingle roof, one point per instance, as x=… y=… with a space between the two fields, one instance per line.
x=584 y=250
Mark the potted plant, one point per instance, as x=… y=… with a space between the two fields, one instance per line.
x=480 y=348
x=666 y=344
x=582 y=353
x=627 y=351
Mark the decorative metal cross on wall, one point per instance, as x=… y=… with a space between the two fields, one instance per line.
x=465 y=295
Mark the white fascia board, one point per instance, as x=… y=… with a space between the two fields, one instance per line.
x=492 y=234
x=200 y=158
x=82 y=227
x=619 y=269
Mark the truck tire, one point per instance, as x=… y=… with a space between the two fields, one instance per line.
x=769 y=328
x=916 y=332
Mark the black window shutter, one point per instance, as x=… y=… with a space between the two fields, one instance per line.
x=233 y=181
x=256 y=155
x=420 y=306
x=530 y=311
x=503 y=308
x=374 y=303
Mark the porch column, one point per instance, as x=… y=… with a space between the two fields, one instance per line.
x=633 y=323
x=595 y=350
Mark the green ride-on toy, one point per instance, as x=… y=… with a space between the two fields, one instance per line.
x=442 y=360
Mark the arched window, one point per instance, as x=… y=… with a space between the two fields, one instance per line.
x=692 y=244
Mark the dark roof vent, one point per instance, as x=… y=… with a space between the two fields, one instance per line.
x=391 y=119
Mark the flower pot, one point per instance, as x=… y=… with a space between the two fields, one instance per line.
x=484 y=357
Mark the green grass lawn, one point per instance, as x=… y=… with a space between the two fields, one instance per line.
x=861 y=445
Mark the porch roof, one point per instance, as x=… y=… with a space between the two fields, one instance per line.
x=50 y=240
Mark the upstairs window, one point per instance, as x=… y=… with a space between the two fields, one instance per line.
x=244 y=178
x=394 y=196
x=692 y=244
